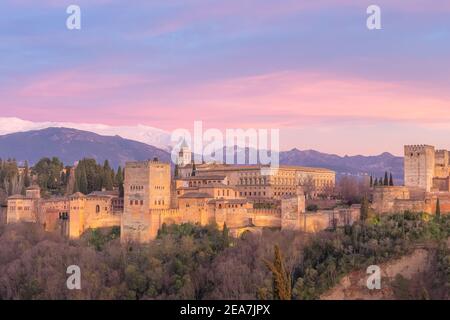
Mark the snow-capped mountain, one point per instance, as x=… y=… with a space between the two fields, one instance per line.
x=145 y=134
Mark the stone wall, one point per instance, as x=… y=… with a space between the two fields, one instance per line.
x=21 y=209
x=322 y=220
x=384 y=197
x=290 y=212
x=409 y=205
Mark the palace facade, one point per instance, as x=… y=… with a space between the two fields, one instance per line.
x=244 y=198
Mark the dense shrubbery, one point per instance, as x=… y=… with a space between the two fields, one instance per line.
x=33 y=264
x=442 y=276
x=193 y=262
x=328 y=257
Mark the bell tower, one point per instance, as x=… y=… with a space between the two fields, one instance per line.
x=185 y=155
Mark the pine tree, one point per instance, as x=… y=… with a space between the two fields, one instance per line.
x=364 y=211
x=386 y=180
x=371 y=181
x=391 y=180
x=282 y=289
x=438 y=208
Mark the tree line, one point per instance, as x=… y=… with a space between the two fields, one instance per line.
x=54 y=178
x=11 y=181
x=386 y=181
x=91 y=176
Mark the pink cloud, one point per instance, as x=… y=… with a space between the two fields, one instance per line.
x=290 y=99
x=76 y=84
x=282 y=99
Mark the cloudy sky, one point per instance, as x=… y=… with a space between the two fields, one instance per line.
x=310 y=68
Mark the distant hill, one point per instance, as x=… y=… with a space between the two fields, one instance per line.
x=71 y=145
x=354 y=165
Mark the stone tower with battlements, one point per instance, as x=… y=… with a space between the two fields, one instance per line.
x=146 y=188
x=419 y=166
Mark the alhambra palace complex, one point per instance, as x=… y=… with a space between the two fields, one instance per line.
x=244 y=197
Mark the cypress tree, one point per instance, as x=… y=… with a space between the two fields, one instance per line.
x=119 y=181
x=75 y=186
x=26 y=174
x=438 y=208
x=83 y=182
x=119 y=176
x=280 y=278
x=391 y=180
x=375 y=184
x=10 y=188
x=176 y=171
x=225 y=236
x=386 y=180
x=107 y=181
x=364 y=211
x=371 y=181
x=194 y=169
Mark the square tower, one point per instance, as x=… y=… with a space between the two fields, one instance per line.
x=442 y=164
x=185 y=155
x=146 y=187
x=419 y=165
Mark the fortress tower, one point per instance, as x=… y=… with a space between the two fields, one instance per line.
x=146 y=187
x=442 y=168
x=419 y=166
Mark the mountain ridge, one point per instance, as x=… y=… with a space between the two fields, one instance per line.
x=71 y=145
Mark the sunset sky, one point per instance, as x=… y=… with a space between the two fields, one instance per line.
x=310 y=68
